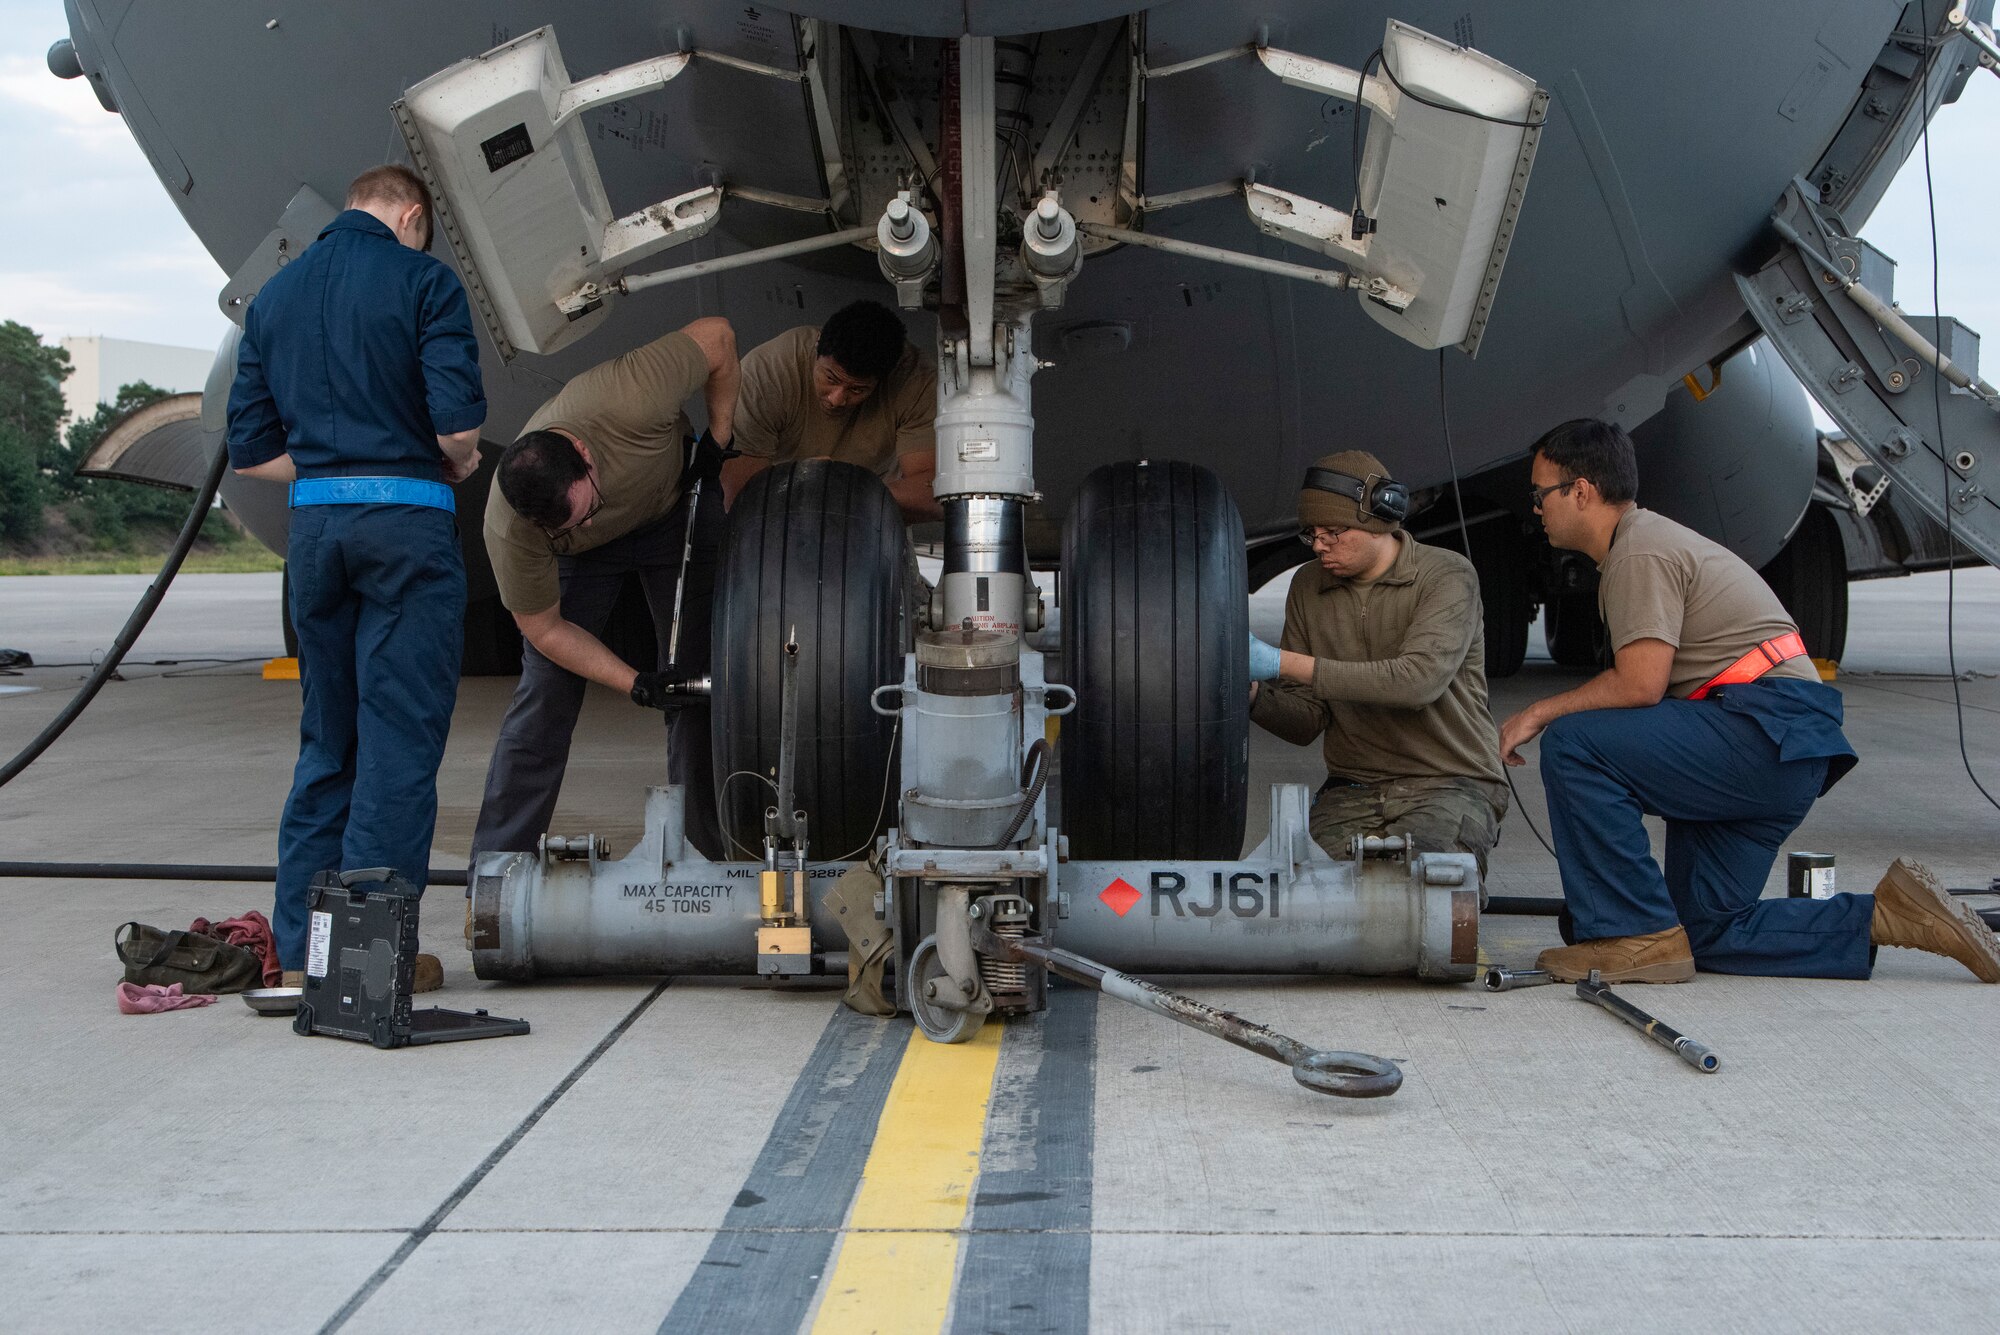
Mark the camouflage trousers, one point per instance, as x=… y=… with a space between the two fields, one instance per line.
x=1439 y=815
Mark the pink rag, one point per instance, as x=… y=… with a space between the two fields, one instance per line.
x=151 y=998
x=252 y=931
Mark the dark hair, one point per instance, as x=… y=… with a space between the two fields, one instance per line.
x=535 y=475
x=865 y=338
x=392 y=185
x=1601 y=451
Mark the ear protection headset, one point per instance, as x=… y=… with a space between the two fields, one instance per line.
x=1383 y=497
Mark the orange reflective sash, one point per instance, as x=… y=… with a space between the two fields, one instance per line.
x=1755 y=663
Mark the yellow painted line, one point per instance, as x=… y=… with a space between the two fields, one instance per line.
x=899 y=1259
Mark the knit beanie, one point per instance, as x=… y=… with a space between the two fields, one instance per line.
x=1324 y=509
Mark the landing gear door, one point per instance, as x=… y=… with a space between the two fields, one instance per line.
x=1937 y=441
x=500 y=142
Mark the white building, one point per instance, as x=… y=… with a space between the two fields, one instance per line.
x=99 y=367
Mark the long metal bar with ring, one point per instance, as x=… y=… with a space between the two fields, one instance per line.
x=1348 y=1075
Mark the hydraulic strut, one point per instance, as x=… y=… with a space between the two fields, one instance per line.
x=1348 y=1075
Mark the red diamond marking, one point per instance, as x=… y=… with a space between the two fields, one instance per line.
x=1119 y=896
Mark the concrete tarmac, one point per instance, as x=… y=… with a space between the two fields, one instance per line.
x=702 y=1154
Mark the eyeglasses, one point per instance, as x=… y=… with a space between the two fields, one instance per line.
x=596 y=503
x=1313 y=537
x=1537 y=494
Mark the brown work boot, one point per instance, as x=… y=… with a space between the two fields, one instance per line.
x=428 y=976
x=1913 y=911
x=1656 y=957
x=292 y=978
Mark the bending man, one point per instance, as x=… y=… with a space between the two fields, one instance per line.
x=853 y=391
x=600 y=486
x=358 y=382
x=1383 y=659
x=1712 y=717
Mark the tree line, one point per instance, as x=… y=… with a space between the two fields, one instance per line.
x=44 y=505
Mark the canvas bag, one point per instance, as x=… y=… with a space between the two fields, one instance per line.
x=198 y=963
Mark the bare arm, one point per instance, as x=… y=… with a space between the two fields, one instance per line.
x=1636 y=678
x=280 y=469
x=570 y=646
x=461 y=454
x=717 y=341
x=916 y=471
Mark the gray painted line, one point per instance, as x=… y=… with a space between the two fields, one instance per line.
x=486 y=1165
x=761 y=1271
x=1027 y=1260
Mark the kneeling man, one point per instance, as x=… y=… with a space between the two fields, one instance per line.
x=1383 y=657
x=1712 y=717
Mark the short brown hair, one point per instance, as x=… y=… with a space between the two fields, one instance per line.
x=393 y=184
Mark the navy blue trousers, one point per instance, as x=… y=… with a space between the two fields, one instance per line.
x=1715 y=776
x=378 y=601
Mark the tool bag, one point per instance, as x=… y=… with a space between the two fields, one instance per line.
x=198 y=963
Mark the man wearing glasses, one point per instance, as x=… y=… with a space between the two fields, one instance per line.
x=598 y=487
x=1383 y=659
x=1712 y=717
x=854 y=391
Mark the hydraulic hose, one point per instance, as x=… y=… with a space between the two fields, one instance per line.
x=134 y=624
x=173 y=871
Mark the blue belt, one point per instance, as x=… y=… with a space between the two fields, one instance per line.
x=372 y=491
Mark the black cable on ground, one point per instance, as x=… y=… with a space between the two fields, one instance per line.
x=1937 y=408
x=134 y=624
x=1465 y=536
x=173 y=871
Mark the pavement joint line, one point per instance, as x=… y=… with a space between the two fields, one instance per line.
x=897 y=1264
x=692 y=1231
x=1924 y=699
x=487 y=1165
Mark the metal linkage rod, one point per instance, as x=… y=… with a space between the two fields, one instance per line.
x=1349 y=1075
x=846 y=236
x=1194 y=250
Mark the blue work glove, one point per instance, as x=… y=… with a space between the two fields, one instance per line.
x=1263 y=660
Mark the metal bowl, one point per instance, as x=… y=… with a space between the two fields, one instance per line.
x=273 y=1000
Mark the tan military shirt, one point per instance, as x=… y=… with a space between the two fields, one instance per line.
x=778 y=417
x=628 y=413
x=1399 y=678
x=1663 y=581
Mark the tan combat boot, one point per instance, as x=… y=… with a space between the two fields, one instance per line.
x=1657 y=957
x=292 y=978
x=428 y=976
x=1913 y=911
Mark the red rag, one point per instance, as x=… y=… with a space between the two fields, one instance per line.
x=252 y=931
x=151 y=998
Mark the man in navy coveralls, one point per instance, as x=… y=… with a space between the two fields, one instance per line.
x=357 y=382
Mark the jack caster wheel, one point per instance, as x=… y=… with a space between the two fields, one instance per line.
x=941 y=1024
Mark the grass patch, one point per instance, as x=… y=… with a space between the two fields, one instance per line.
x=248 y=559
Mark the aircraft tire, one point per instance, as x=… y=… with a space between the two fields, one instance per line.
x=817 y=547
x=1576 y=634
x=1809 y=575
x=1503 y=562
x=1155 y=760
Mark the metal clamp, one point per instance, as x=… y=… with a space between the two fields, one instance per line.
x=1051 y=688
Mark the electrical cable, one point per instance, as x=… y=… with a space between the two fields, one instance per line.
x=1937 y=408
x=1446 y=106
x=1465 y=537
x=142 y=612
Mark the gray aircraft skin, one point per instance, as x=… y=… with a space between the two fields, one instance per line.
x=1671 y=132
